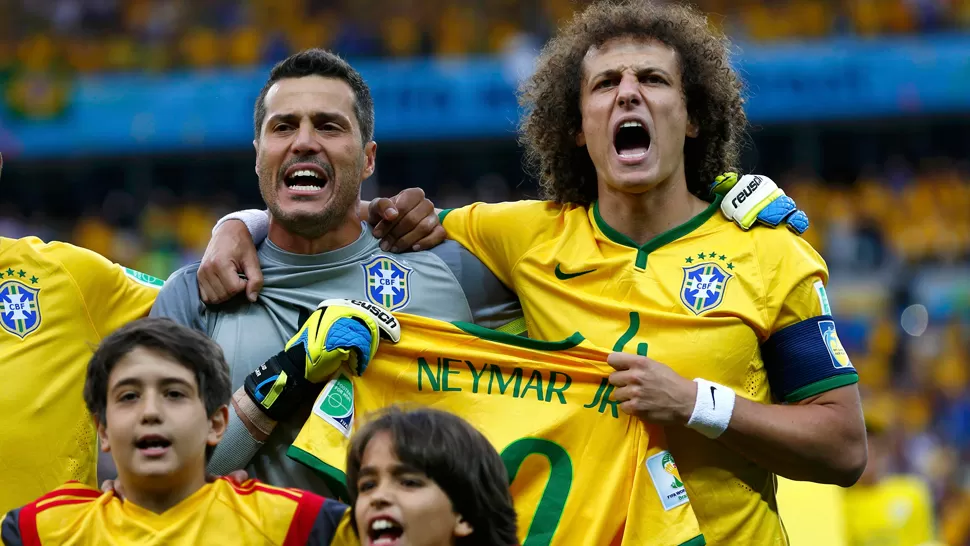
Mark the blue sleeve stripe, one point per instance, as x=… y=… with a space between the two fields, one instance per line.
x=806 y=359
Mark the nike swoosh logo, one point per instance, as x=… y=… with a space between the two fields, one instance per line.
x=713 y=399
x=566 y=276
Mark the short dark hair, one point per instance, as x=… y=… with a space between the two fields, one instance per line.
x=188 y=347
x=457 y=457
x=551 y=95
x=320 y=62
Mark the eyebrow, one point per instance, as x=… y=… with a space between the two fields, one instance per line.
x=398 y=470
x=137 y=382
x=609 y=72
x=293 y=118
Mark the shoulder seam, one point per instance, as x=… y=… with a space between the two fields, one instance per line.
x=764 y=287
x=77 y=287
x=535 y=244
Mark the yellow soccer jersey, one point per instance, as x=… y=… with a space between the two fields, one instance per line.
x=813 y=513
x=57 y=302
x=221 y=512
x=582 y=472
x=898 y=511
x=706 y=298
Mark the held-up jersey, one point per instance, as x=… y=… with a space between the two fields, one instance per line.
x=446 y=283
x=57 y=301
x=746 y=309
x=582 y=471
x=221 y=512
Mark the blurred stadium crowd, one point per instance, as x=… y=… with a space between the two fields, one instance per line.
x=886 y=235
x=94 y=35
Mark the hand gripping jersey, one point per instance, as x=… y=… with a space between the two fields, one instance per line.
x=251 y=514
x=57 y=302
x=582 y=471
x=746 y=309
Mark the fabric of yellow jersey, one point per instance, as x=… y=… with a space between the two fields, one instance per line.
x=573 y=272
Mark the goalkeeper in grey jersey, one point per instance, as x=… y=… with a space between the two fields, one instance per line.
x=314 y=125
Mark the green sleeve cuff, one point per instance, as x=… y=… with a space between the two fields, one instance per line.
x=442 y=214
x=824 y=385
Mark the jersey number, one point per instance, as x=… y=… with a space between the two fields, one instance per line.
x=620 y=344
x=553 y=500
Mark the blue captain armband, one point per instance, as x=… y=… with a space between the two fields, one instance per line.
x=806 y=359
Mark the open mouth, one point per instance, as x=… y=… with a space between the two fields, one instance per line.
x=384 y=531
x=153 y=445
x=632 y=140
x=305 y=179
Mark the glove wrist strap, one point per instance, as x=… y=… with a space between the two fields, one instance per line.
x=278 y=387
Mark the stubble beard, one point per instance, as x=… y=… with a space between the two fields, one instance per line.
x=343 y=197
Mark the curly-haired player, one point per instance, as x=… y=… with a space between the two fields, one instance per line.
x=633 y=111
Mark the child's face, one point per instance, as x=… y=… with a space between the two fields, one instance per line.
x=156 y=424
x=400 y=506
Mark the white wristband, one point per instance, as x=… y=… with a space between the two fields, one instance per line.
x=713 y=409
x=257 y=222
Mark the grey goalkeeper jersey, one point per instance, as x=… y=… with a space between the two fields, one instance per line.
x=446 y=283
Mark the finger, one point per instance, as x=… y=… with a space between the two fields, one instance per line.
x=629 y=407
x=625 y=393
x=211 y=283
x=622 y=361
x=381 y=209
x=254 y=276
x=203 y=294
x=622 y=378
x=228 y=283
x=238 y=476
x=423 y=226
x=108 y=485
x=410 y=198
x=435 y=238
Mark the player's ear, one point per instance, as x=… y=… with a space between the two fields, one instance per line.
x=462 y=527
x=256 y=164
x=102 y=436
x=218 y=422
x=692 y=129
x=370 y=160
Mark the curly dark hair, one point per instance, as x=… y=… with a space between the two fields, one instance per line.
x=551 y=97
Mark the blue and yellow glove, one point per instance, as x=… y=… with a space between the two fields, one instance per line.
x=755 y=198
x=340 y=332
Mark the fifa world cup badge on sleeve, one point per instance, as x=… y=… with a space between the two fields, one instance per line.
x=143 y=278
x=335 y=405
x=840 y=359
x=388 y=282
x=19 y=302
x=666 y=478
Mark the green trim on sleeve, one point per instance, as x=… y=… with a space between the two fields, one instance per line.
x=336 y=480
x=506 y=338
x=442 y=214
x=696 y=541
x=823 y=385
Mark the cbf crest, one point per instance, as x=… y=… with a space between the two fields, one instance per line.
x=387 y=282
x=703 y=287
x=19 y=308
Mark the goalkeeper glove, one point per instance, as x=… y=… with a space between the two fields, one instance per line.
x=755 y=198
x=339 y=332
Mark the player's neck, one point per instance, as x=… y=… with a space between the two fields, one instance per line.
x=643 y=216
x=344 y=234
x=163 y=495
